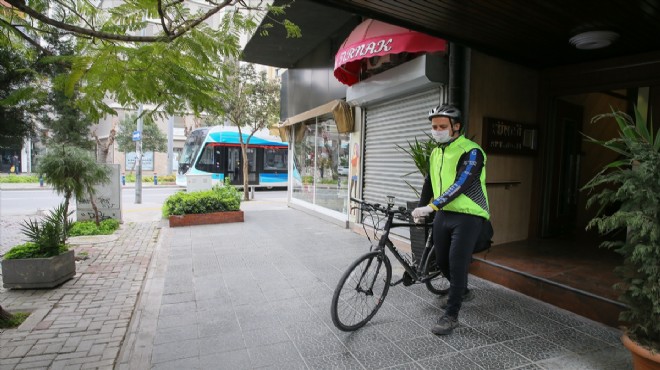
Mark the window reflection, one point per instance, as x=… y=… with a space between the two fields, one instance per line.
x=321 y=164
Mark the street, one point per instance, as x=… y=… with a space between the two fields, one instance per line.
x=19 y=205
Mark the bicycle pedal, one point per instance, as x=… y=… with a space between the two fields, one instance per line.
x=407 y=279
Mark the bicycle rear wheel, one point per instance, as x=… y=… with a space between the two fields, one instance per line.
x=361 y=291
x=439 y=285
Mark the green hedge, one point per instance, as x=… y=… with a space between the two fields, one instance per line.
x=13 y=179
x=218 y=199
x=164 y=178
x=106 y=227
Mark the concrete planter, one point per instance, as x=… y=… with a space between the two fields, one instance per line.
x=206 y=218
x=36 y=273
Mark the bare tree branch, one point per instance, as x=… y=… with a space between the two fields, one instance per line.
x=20 y=5
x=162 y=15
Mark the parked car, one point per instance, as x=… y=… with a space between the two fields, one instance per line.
x=342 y=170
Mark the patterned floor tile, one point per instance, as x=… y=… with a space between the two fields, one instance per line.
x=381 y=356
x=424 y=347
x=335 y=361
x=537 y=348
x=496 y=357
x=452 y=361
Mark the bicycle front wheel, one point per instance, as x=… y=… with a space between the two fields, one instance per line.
x=439 y=285
x=361 y=291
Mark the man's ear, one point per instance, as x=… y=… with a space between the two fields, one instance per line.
x=457 y=127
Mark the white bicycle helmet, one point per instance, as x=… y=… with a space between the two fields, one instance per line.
x=446 y=110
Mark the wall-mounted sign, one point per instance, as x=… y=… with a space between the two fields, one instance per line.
x=147 y=161
x=508 y=137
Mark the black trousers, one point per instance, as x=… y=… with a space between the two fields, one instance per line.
x=454 y=237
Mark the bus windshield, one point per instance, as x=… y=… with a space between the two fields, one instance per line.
x=192 y=146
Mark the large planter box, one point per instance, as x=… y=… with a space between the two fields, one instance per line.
x=36 y=273
x=206 y=218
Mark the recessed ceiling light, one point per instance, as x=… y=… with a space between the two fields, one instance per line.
x=593 y=39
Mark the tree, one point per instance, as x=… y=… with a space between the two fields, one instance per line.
x=153 y=138
x=72 y=172
x=65 y=122
x=252 y=104
x=177 y=66
x=20 y=96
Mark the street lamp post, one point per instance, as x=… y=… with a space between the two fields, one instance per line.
x=138 y=159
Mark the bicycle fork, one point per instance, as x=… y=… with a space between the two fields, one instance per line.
x=369 y=291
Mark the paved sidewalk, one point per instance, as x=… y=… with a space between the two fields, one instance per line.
x=256 y=295
x=82 y=323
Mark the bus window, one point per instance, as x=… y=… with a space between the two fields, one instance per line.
x=209 y=160
x=275 y=159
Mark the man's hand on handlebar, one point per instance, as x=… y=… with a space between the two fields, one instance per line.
x=419 y=214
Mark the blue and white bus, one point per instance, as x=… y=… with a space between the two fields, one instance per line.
x=217 y=151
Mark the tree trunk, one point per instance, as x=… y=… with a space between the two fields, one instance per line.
x=65 y=222
x=96 y=210
x=246 y=190
x=5 y=315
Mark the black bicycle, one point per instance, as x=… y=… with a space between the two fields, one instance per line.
x=362 y=289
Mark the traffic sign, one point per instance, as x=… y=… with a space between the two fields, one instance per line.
x=137 y=135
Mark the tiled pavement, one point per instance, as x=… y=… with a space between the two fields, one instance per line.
x=82 y=323
x=257 y=295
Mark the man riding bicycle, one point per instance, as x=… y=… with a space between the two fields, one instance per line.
x=456 y=189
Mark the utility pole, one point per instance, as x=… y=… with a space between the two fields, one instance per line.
x=170 y=145
x=138 y=145
x=138 y=159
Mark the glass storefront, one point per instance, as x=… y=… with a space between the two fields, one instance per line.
x=321 y=162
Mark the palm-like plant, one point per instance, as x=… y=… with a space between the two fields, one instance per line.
x=72 y=172
x=633 y=182
x=420 y=153
x=50 y=233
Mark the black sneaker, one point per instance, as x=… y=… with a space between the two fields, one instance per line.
x=468 y=296
x=445 y=325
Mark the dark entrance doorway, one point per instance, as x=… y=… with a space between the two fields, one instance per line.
x=564 y=170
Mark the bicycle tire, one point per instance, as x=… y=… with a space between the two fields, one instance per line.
x=438 y=285
x=351 y=308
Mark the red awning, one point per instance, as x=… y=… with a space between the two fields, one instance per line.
x=374 y=38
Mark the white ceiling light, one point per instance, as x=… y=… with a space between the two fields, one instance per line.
x=593 y=39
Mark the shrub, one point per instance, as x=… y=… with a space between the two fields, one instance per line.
x=161 y=178
x=19 y=179
x=218 y=199
x=106 y=227
x=30 y=250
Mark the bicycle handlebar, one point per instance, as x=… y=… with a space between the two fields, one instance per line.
x=401 y=213
x=379 y=207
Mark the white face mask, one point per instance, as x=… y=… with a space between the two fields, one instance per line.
x=441 y=136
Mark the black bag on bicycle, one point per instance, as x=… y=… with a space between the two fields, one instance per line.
x=485 y=237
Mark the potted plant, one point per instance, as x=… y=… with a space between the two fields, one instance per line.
x=631 y=184
x=420 y=154
x=219 y=205
x=45 y=261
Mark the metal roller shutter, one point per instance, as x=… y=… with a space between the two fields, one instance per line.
x=389 y=123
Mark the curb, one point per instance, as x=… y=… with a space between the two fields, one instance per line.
x=6 y=188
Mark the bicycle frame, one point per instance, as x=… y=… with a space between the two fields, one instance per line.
x=385 y=242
